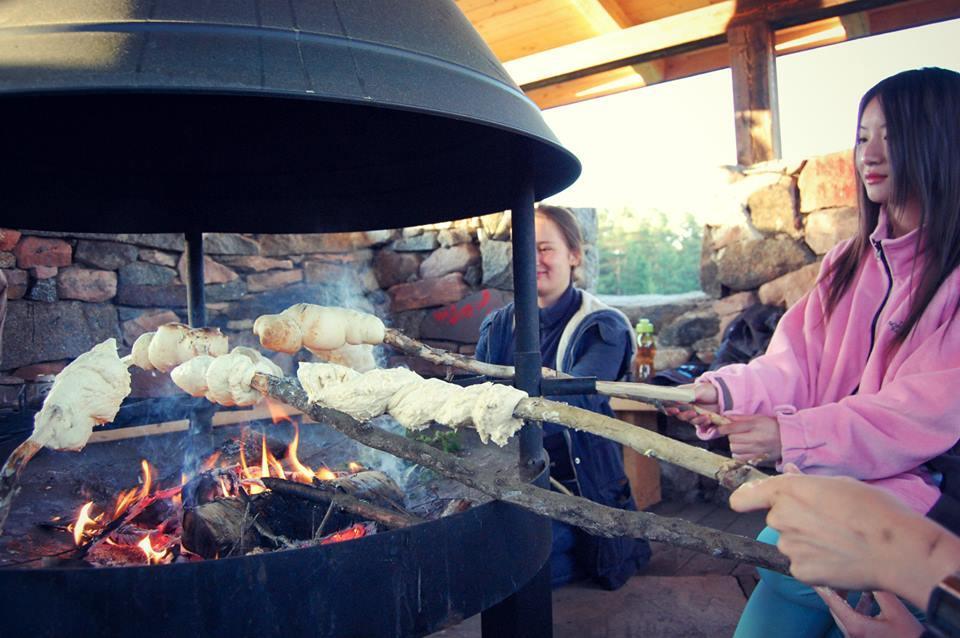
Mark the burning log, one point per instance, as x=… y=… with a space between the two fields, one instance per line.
x=592 y=517
x=269 y=520
x=317 y=494
x=220 y=528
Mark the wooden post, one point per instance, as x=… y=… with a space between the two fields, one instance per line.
x=754 y=69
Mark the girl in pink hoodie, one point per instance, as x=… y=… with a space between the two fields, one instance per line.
x=862 y=376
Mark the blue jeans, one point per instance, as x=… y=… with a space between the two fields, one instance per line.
x=784 y=607
x=563 y=564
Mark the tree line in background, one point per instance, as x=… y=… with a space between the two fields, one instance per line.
x=648 y=252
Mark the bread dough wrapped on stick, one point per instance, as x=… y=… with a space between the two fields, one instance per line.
x=317 y=328
x=224 y=379
x=86 y=393
x=413 y=401
x=176 y=343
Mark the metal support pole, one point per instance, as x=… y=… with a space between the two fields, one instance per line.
x=199 y=440
x=527 y=332
x=196 y=304
x=528 y=612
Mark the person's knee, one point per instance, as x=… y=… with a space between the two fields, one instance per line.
x=783 y=585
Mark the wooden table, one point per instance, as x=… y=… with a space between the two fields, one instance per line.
x=642 y=471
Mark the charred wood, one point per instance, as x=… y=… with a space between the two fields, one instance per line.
x=221 y=528
x=389 y=518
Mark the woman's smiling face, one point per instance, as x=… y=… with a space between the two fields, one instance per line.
x=872 y=161
x=555 y=261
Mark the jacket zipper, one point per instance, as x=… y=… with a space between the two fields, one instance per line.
x=573 y=464
x=876 y=317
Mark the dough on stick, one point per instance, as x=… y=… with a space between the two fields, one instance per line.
x=86 y=393
x=317 y=328
x=412 y=400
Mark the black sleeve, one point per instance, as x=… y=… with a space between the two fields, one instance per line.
x=946 y=511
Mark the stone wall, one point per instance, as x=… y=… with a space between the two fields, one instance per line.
x=764 y=239
x=70 y=291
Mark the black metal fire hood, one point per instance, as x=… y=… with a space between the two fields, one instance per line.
x=291 y=116
x=259 y=116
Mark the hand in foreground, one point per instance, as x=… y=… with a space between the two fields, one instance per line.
x=843 y=533
x=705 y=396
x=753 y=437
x=893 y=621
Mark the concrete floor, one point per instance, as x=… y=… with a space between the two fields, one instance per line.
x=681 y=594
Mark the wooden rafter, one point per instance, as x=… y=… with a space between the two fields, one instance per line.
x=698 y=28
x=606 y=15
x=635 y=60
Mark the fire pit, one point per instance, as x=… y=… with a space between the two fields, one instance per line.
x=361 y=587
x=292 y=117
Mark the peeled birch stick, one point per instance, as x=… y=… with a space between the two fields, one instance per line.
x=496 y=411
x=729 y=472
x=594 y=518
x=644 y=392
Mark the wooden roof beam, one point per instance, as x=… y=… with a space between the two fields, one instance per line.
x=686 y=31
x=754 y=71
x=604 y=15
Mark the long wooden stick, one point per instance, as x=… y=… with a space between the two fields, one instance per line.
x=10 y=475
x=594 y=518
x=731 y=474
x=637 y=391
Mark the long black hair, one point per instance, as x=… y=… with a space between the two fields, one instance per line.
x=922 y=112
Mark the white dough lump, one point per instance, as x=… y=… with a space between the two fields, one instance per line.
x=414 y=401
x=317 y=328
x=86 y=393
x=176 y=343
x=225 y=379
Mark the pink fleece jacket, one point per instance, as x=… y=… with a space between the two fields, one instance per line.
x=845 y=404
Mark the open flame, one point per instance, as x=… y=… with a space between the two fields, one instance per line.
x=134 y=495
x=301 y=473
x=160 y=539
x=277 y=412
x=83 y=521
x=153 y=557
x=325 y=474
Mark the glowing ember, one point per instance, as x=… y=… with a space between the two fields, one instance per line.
x=356 y=531
x=83 y=520
x=153 y=557
x=355 y=467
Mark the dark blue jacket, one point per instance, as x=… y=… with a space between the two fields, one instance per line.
x=596 y=341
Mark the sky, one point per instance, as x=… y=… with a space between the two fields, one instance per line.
x=642 y=149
